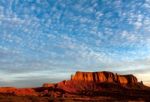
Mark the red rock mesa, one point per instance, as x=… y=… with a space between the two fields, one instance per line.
x=104 y=76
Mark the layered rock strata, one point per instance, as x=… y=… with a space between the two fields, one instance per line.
x=104 y=76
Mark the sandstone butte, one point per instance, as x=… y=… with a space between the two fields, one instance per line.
x=85 y=85
x=78 y=82
x=104 y=76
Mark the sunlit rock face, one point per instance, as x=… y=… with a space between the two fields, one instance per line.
x=126 y=79
x=108 y=77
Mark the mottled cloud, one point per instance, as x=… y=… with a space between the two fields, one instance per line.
x=40 y=36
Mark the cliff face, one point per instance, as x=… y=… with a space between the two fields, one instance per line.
x=108 y=77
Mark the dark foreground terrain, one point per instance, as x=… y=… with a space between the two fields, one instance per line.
x=83 y=87
x=48 y=99
x=103 y=96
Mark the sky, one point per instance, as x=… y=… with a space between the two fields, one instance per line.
x=48 y=40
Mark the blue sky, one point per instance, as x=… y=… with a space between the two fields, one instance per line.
x=48 y=40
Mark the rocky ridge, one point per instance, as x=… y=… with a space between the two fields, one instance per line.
x=87 y=84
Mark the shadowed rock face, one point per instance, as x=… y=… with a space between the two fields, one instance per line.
x=108 y=77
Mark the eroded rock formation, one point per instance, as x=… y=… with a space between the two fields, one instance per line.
x=82 y=83
x=108 y=77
